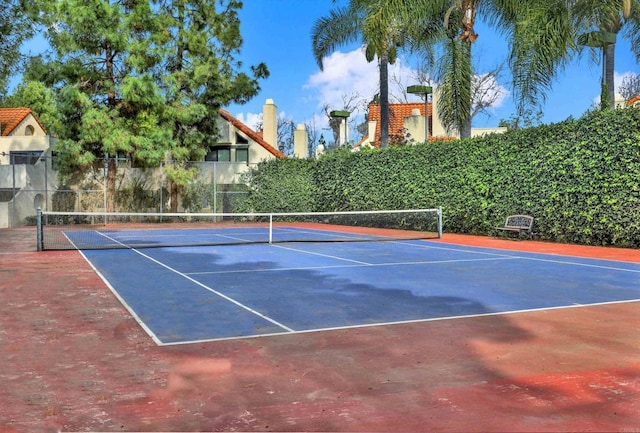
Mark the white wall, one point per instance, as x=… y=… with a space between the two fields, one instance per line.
x=22 y=143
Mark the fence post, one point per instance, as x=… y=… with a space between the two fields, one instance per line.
x=39 y=230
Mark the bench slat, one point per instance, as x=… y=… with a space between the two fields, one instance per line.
x=517 y=223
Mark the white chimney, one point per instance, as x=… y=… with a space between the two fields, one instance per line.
x=270 y=123
x=415 y=126
x=300 y=141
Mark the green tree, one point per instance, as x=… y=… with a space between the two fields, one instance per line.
x=41 y=100
x=141 y=79
x=107 y=95
x=541 y=43
x=376 y=26
x=598 y=23
x=199 y=74
x=15 y=27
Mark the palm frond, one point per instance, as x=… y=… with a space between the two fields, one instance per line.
x=454 y=91
x=543 y=43
x=341 y=27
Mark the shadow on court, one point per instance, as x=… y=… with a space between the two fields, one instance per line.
x=73 y=359
x=210 y=296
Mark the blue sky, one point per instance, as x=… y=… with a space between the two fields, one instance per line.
x=278 y=32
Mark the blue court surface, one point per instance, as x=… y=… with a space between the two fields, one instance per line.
x=205 y=293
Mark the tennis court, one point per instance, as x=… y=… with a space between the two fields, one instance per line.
x=232 y=285
x=391 y=333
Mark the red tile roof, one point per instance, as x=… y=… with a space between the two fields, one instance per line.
x=255 y=136
x=631 y=102
x=397 y=113
x=10 y=118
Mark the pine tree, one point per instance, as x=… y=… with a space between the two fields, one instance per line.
x=200 y=75
x=107 y=96
x=142 y=79
x=15 y=28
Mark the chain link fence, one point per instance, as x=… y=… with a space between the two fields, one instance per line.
x=216 y=188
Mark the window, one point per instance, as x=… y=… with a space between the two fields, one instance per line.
x=25 y=157
x=242 y=154
x=221 y=154
x=241 y=140
x=29 y=130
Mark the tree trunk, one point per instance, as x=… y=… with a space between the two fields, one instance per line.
x=608 y=78
x=173 y=197
x=384 y=101
x=111 y=184
x=465 y=119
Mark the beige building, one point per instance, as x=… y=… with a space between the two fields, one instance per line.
x=239 y=143
x=407 y=125
x=25 y=168
x=28 y=179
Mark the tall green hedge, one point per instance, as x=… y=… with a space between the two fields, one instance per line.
x=580 y=179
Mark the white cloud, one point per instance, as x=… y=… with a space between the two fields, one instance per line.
x=343 y=75
x=252 y=120
x=348 y=74
x=489 y=90
x=618 y=77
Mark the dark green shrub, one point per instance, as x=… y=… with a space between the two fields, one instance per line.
x=580 y=179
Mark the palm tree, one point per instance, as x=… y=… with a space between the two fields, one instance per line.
x=541 y=44
x=377 y=27
x=599 y=22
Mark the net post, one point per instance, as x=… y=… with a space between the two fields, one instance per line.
x=439 y=222
x=39 y=231
x=270 y=228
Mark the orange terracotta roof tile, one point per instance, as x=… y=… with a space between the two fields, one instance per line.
x=251 y=134
x=10 y=118
x=397 y=114
x=631 y=102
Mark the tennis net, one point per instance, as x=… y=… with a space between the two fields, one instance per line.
x=106 y=230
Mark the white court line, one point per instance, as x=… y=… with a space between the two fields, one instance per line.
x=562 y=262
x=357 y=265
x=131 y=311
x=403 y=322
x=587 y=265
x=430 y=241
x=322 y=255
x=290 y=331
x=331 y=234
x=198 y=283
x=457 y=250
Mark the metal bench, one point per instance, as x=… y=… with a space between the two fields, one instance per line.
x=519 y=224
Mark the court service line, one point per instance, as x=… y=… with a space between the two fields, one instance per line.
x=303 y=268
x=331 y=234
x=407 y=322
x=431 y=241
x=323 y=255
x=457 y=250
x=525 y=257
x=204 y=286
x=587 y=265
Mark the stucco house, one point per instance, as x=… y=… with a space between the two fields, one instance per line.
x=28 y=179
x=407 y=125
x=22 y=137
x=239 y=143
x=25 y=171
